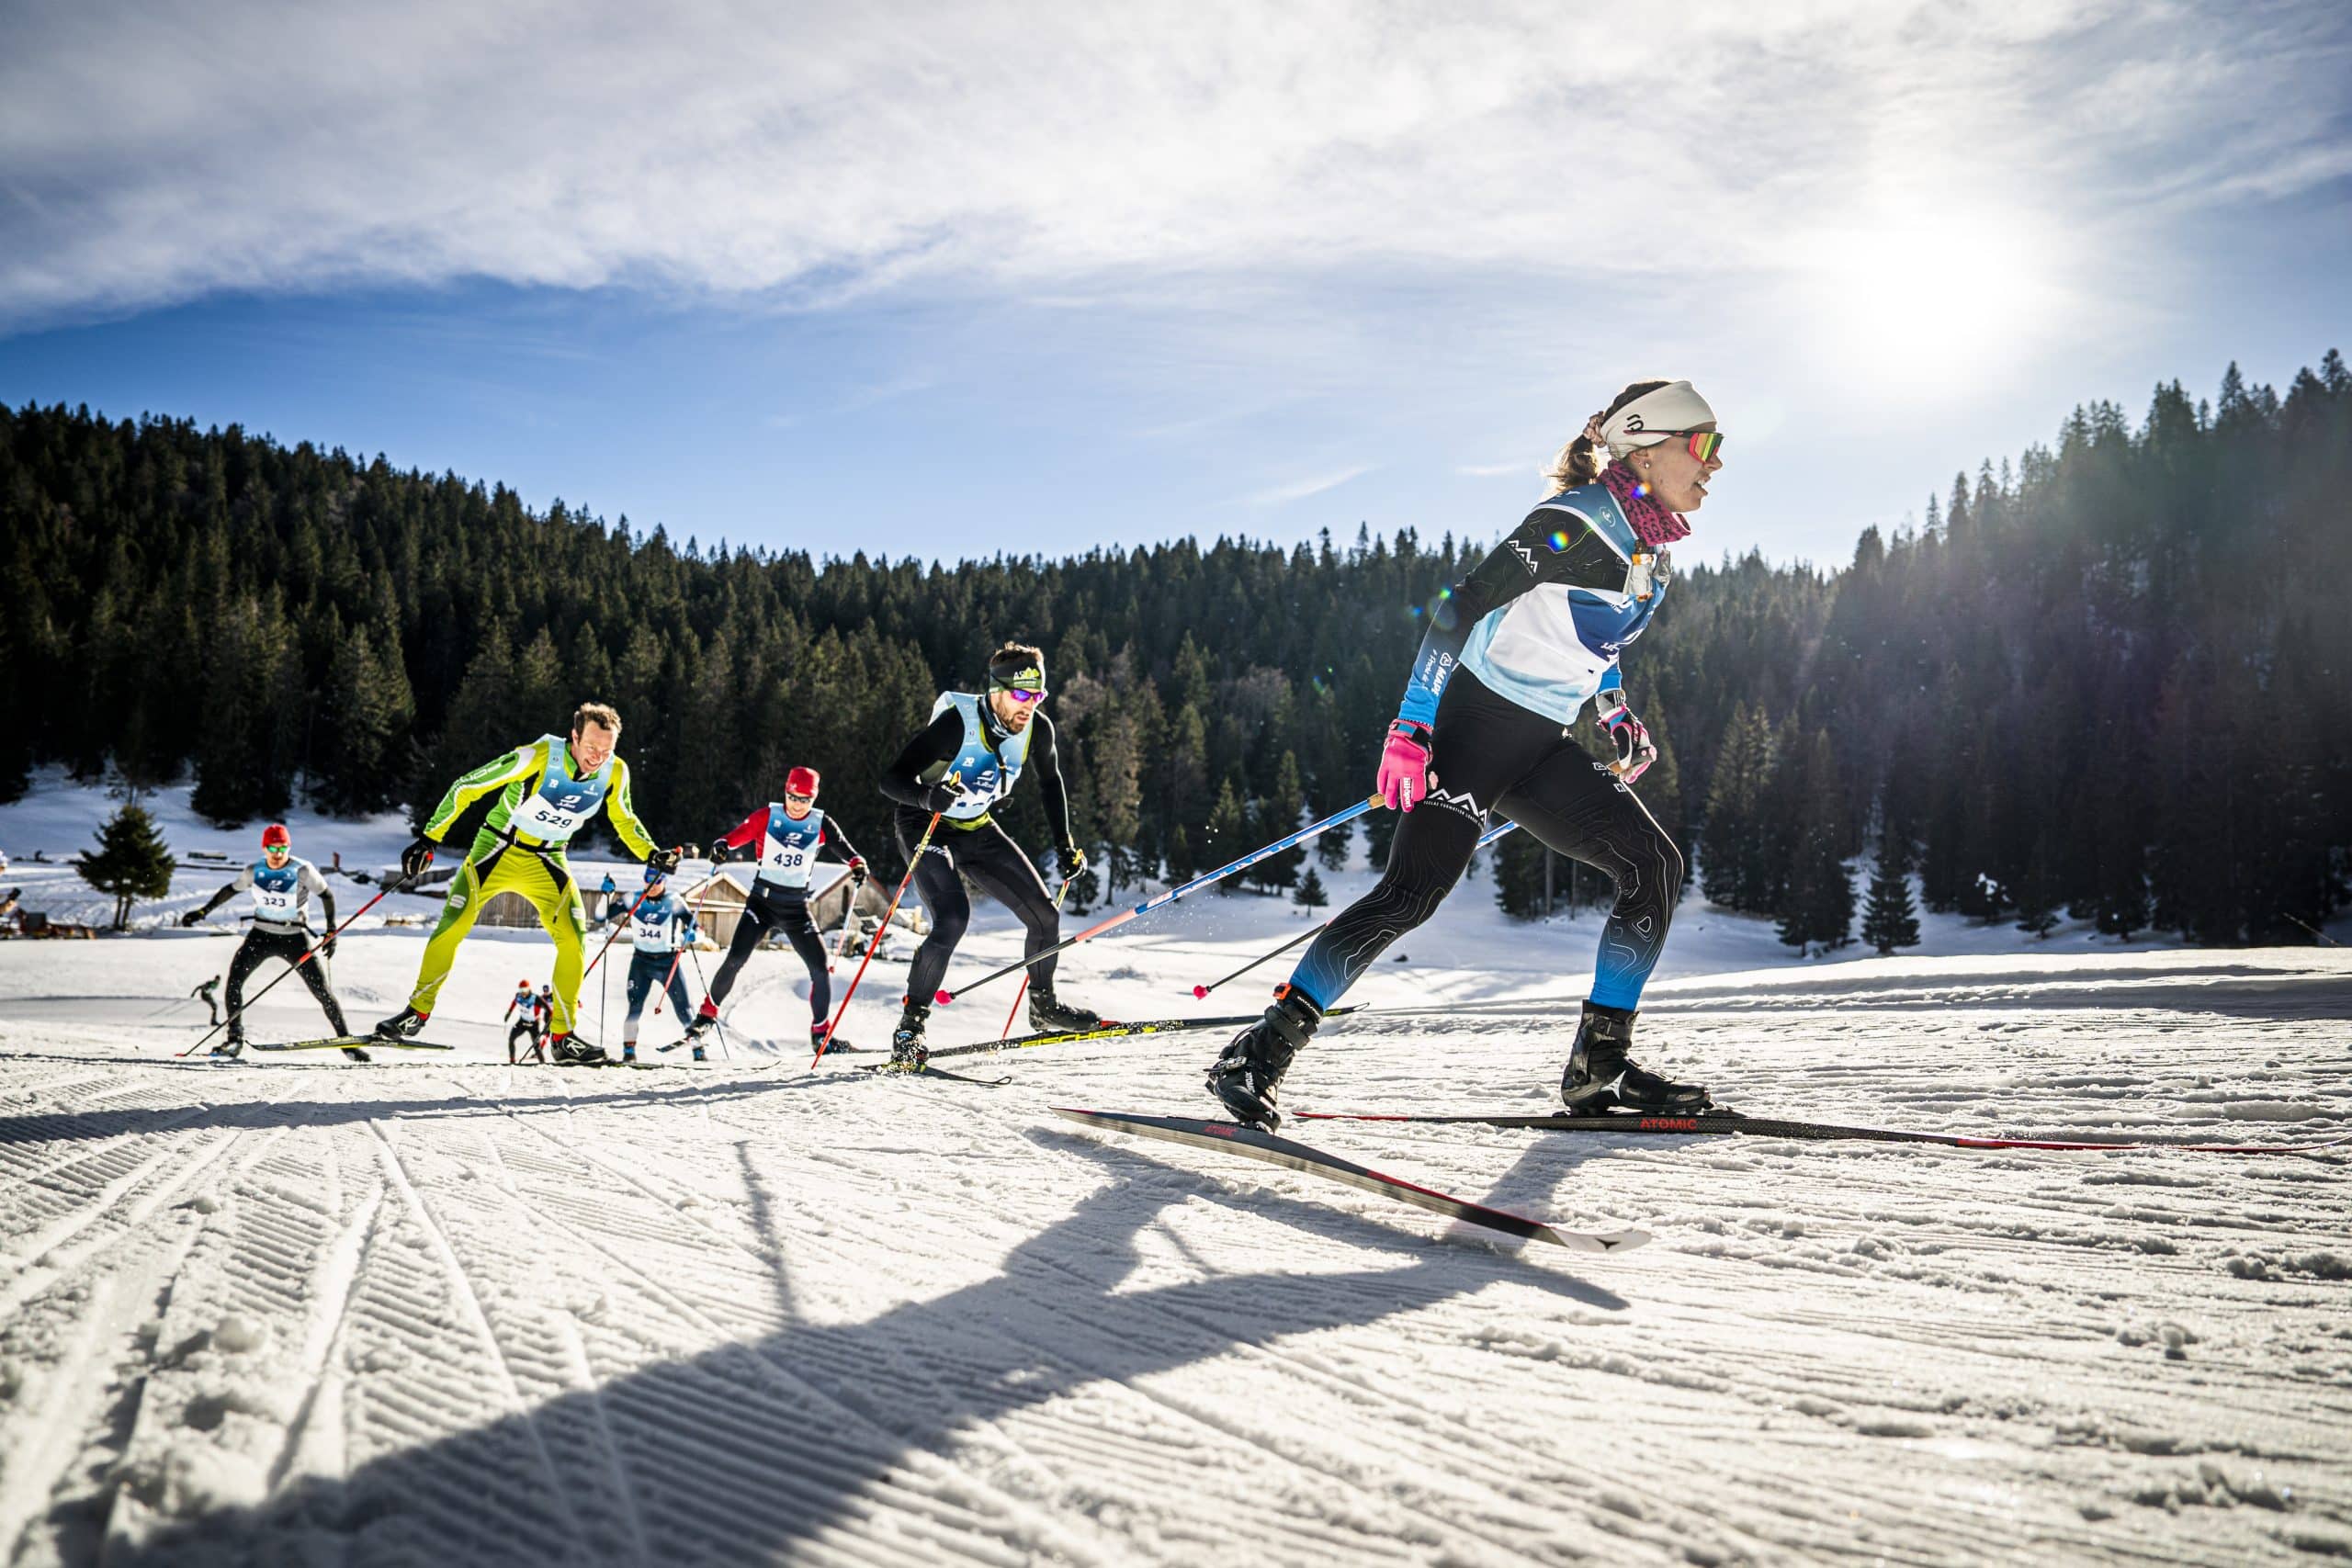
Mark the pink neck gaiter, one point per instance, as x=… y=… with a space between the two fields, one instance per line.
x=1653 y=523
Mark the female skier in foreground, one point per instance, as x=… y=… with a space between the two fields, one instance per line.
x=1513 y=653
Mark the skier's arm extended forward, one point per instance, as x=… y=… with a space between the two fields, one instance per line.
x=470 y=787
x=624 y=816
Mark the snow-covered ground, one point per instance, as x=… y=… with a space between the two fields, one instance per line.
x=445 y=1311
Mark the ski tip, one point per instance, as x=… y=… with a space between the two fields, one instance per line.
x=944 y=999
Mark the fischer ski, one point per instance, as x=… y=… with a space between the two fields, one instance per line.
x=901 y=1069
x=1250 y=1142
x=346 y=1043
x=1722 y=1124
x=1110 y=1030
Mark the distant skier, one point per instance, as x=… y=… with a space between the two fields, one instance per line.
x=968 y=758
x=1513 y=653
x=788 y=836
x=210 y=992
x=552 y=788
x=528 y=1027
x=281 y=885
x=659 y=924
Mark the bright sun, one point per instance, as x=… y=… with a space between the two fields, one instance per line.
x=1920 y=301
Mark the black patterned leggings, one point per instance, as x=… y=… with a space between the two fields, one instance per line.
x=1490 y=754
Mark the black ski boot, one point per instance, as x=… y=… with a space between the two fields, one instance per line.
x=907 y=1048
x=231 y=1044
x=703 y=1024
x=698 y=1055
x=570 y=1051
x=402 y=1025
x=1245 y=1078
x=1049 y=1013
x=820 y=1041
x=1601 y=1078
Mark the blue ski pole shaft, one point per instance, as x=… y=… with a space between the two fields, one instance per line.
x=1173 y=894
x=1201 y=992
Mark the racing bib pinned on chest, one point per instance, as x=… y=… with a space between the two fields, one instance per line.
x=561 y=805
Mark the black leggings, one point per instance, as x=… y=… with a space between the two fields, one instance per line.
x=990 y=857
x=1493 y=755
x=258 y=948
x=786 y=908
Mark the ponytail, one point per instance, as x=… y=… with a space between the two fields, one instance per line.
x=1579 y=462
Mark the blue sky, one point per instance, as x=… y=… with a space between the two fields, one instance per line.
x=951 y=281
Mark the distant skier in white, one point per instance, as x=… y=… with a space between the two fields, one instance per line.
x=282 y=884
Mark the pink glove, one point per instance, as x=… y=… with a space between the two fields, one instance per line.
x=1405 y=765
x=1631 y=737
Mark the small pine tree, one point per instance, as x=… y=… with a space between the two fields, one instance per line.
x=1229 y=826
x=1518 y=877
x=1332 y=844
x=132 y=862
x=2037 y=895
x=1890 y=920
x=1310 y=894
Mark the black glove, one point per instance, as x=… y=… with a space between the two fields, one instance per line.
x=326 y=945
x=416 y=857
x=1073 y=860
x=940 y=797
x=664 y=860
x=191 y=917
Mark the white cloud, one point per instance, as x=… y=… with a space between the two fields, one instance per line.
x=805 y=154
x=1299 y=490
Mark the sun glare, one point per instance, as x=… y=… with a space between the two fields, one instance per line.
x=1916 y=303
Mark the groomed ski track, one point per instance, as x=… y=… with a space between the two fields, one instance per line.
x=450 y=1312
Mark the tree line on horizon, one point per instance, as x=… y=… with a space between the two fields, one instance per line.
x=2108 y=679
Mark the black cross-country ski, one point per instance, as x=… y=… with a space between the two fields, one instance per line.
x=1720 y=1125
x=347 y=1042
x=1110 y=1031
x=898 y=1069
x=1233 y=1138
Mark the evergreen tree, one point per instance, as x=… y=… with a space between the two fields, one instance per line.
x=1229 y=831
x=1332 y=844
x=1734 y=864
x=2037 y=892
x=1284 y=813
x=1518 y=875
x=1310 y=894
x=1889 y=918
x=132 y=862
x=1818 y=905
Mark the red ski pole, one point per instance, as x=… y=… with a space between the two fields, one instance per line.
x=912 y=861
x=1014 y=1010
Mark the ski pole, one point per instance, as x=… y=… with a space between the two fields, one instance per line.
x=1201 y=992
x=238 y=1011
x=1013 y=1011
x=1173 y=894
x=615 y=934
x=849 y=924
x=662 y=995
x=725 y=1049
x=904 y=883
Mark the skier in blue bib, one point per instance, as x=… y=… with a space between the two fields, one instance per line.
x=282 y=883
x=788 y=836
x=659 y=925
x=975 y=749
x=1514 y=652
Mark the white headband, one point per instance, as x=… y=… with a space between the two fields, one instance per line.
x=1648 y=419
